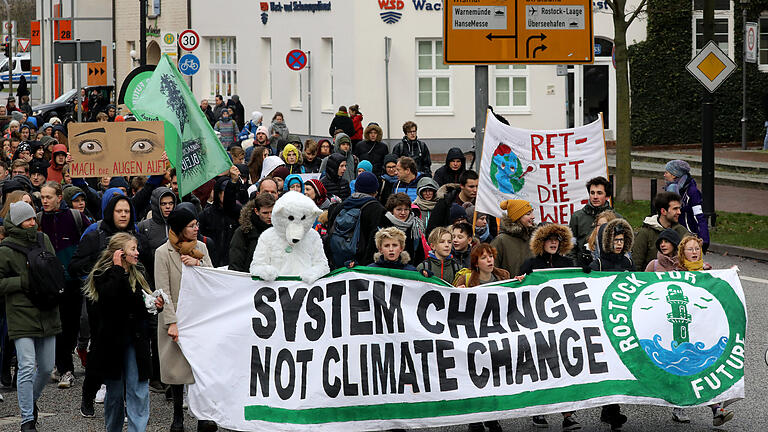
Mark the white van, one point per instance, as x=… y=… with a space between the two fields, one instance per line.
x=22 y=65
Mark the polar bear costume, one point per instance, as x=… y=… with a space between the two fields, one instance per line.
x=291 y=247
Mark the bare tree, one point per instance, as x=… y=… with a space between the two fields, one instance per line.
x=621 y=22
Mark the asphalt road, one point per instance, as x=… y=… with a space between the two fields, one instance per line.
x=60 y=408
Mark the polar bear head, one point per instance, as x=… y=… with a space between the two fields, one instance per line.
x=293 y=215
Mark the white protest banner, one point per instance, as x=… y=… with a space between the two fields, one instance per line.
x=374 y=349
x=550 y=169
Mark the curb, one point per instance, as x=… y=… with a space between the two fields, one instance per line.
x=744 y=252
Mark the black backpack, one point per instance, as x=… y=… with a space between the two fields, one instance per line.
x=46 y=274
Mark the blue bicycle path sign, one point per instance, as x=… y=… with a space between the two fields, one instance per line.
x=189 y=64
x=296 y=60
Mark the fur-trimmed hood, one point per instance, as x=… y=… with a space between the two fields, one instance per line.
x=405 y=257
x=514 y=229
x=245 y=216
x=545 y=231
x=609 y=230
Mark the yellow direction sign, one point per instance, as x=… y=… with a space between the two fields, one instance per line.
x=518 y=31
x=711 y=66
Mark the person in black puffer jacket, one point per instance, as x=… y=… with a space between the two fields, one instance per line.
x=255 y=218
x=333 y=181
x=455 y=165
x=615 y=239
x=220 y=220
x=372 y=149
x=549 y=244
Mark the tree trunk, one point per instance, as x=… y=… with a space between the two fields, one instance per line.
x=623 y=186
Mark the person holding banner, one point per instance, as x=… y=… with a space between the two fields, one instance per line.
x=182 y=248
x=668 y=209
x=119 y=288
x=514 y=234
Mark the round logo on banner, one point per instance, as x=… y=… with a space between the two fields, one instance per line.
x=662 y=326
x=507 y=171
x=296 y=60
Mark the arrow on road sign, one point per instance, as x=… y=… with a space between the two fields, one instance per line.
x=491 y=36
x=540 y=47
x=541 y=36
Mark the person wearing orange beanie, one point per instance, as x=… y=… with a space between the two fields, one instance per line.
x=514 y=234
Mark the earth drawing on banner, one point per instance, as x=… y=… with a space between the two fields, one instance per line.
x=685 y=348
x=507 y=170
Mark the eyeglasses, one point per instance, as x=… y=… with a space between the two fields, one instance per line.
x=411 y=131
x=618 y=240
x=696 y=249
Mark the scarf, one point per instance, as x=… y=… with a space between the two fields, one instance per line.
x=693 y=265
x=413 y=223
x=342 y=114
x=425 y=205
x=678 y=185
x=184 y=248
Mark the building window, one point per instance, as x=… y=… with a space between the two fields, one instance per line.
x=153 y=8
x=223 y=66
x=433 y=78
x=510 y=88
x=266 y=71
x=762 y=57
x=723 y=36
x=328 y=66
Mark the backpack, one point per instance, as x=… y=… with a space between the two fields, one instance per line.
x=75 y=215
x=46 y=274
x=344 y=235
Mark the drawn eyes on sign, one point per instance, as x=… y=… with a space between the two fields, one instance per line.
x=90 y=147
x=142 y=146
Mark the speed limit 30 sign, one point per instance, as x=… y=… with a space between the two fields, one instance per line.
x=189 y=40
x=750 y=42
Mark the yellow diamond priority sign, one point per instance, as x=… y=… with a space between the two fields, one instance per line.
x=711 y=66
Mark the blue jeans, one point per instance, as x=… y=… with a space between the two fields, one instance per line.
x=30 y=382
x=136 y=394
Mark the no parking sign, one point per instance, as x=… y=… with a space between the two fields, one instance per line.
x=296 y=60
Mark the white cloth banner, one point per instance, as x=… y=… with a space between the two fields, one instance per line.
x=548 y=168
x=375 y=349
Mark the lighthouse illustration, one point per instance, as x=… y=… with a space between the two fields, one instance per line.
x=679 y=317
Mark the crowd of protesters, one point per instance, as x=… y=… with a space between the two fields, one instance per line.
x=122 y=242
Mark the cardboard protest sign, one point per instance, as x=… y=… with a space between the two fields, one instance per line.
x=116 y=149
x=550 y=168
x=377 y=349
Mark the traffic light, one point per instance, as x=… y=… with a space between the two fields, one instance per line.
x=7 y=49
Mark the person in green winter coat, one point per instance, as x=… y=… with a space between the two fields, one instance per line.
x=32 y=330
x=668 y=211
x=583 y=220
x=514 y=234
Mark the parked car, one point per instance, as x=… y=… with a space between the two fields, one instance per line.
x=63 y=106
x=22 y=65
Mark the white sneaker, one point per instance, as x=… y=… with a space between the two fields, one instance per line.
x=55 y=377
x=679 y=415
x=101 y=394
x=721 y=416
x=66 y=380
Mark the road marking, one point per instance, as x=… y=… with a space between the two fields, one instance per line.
x=751 y=279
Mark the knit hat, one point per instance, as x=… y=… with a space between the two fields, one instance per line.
x=20 y=211
x=282 y=171
x=365 y=165
x=342 y=138
x=320 y=192
x=669 y=235
x=516 y=208
x=262 y=129
x=46 y=126
x=291 y=179
x=60 y=128
x=178 y=219
x=38 y=168
x=366 y=183
x=457 y=212
x=391 y=157
x=678 y=168
x=119 y=182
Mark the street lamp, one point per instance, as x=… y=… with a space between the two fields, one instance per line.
x=744 y=4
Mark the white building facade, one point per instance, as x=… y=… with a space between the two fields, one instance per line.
x=351 y=64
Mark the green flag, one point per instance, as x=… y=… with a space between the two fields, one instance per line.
x=197 y=155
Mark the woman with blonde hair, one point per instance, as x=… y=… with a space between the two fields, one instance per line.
x=182 y=248
x=119 y=289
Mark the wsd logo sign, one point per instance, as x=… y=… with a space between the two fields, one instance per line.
x=390 y=8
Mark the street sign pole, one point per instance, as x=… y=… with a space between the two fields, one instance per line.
x=77 y=92
x=744 y=80
x=10 y=45
x=481 y=109
x=309 y=95
x=707 y=133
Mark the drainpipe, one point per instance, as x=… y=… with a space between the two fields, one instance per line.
x=387 y=45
